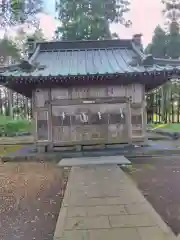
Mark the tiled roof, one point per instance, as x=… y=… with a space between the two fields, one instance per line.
x=82 y=58
x=121 y=61
x=83 y=62
x=91 y=57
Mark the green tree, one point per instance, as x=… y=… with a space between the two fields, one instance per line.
x=38 y=35
x=22 y=38
x=167 y=44
x=9 y=53
x=173 y=41
x=170 y=89
x=8 y=49
x=14 y=12
x=172 y=19
x=158 y=46
x=21 y=41
x=89 y=19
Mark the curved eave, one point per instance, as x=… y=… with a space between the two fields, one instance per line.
x=162 y=62
x=167 y=62
x=26 y=84
x=52 y=78
x=35 y=54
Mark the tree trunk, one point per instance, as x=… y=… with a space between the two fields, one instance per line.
x=10 y=102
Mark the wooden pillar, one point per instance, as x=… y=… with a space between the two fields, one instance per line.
x=34 y=114
x=50 y=135
x=41 y=107
x=128 y=122
x=144 y=116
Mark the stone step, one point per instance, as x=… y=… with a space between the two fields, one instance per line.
x=66 y=162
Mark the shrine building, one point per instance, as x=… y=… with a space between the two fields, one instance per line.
x=88 y=92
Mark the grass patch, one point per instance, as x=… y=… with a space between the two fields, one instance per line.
x=171 y=127
x=149 y=166
x=129 y=168
x=10 y=127
x=5 y=150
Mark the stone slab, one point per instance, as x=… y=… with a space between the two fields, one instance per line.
x=143 y=220
x=102 y=202
x=80 y=223
x=114 y=234
x=149 y=233
x=178 y=237
x=67 y=162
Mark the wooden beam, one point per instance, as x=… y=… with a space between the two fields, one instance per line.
x=108 y=100
x=136 y=105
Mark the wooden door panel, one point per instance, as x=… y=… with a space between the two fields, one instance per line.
x=137 y=122
x=42 y=125
x=117 y=132
x=62 y=134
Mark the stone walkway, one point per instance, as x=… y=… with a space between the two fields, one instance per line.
x=101 y=202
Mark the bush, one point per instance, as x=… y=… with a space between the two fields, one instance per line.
x=9 y=127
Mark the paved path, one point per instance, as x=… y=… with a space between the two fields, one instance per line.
x=101 y=202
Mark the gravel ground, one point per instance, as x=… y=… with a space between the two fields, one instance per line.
x=160 y=184
x=30 y=200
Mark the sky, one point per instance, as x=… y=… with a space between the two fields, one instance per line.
x=144 y=14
